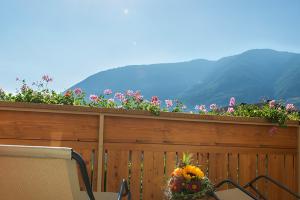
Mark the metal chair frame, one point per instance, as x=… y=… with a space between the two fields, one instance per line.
x=259 y=195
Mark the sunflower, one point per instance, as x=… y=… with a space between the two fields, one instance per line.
x=191 y=172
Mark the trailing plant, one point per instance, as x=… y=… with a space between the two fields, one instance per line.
x=39 y=92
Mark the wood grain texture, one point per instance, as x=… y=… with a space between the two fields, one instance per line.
x=170 y=163
x=135 y=176
x=290 y=177
x=192 y=148
x=153 y=177
x=247 y=168
x=145 y=148
x=262 y=169
x=233 y=167
x=152 y=131
x=84 y=110
x=217 y=164
x=276 y=171
x=48 y=126
x=203 y=162
x=117 y=169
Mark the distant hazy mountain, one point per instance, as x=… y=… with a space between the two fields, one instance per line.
x=250 y=76
x=164 y=80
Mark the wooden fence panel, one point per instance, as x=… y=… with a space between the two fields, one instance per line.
x=204 y=161
x=247 y=168
x=117 y=169
x=48 y=126
x=262 y=169
x=233 y=167
x=276 y=171
x=153 y=176
x=170 y=162
x=218 y=167
x=145 y=149
x=135 y=175
x=289 y=174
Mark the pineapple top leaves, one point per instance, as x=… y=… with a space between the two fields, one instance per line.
x=186 y=159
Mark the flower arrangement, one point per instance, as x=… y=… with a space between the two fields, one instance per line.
x=38 y=92
x=188 y=182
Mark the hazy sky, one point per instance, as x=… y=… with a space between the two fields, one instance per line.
x=72 y=39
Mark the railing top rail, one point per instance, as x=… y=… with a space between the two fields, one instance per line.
x=22 y=106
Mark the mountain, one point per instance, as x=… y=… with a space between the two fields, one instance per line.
x=164 y=80
x=249 y=76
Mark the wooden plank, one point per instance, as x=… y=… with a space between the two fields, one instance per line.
x=117 y=169
x=233 y=167
x=48 y=126
x=86 y=154
x=153 y=183
x=152 y=131
x=98 y=167
x=203 y=162
x=276 y=171
x=218 y=164
x=290 y=177
x=170 y=163
x=135 y=176
x=217 y=148
x=158 y=178
x=262 y=169
x=296 y=171
x=247 y=168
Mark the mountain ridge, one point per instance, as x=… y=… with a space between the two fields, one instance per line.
x=249 y=76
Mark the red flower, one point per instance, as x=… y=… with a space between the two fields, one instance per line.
x=177 y=184
x=68 y=93
x=194 y=186
x=155 y=101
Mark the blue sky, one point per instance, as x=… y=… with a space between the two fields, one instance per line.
x=72 y=39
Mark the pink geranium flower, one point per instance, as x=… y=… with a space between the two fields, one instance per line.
x=78 y=91
x=230 y=110
x=47 y=78
x=138 y=97
x=119 y=96
x=94 y=98
x=107 y=91
x=130 y=93
x=272 y=104
x=169 y=103
x=290 y=107
x=232 y=102
x=201 y=108
x=155 y=101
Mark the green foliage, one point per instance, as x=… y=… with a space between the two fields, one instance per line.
x=40 y=93
x=277 y=114
x=179 y=107
x=187 y=158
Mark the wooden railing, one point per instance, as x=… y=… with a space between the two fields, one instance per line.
x=145 y=148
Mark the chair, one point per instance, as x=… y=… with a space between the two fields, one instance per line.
x=47 y=173
x=240 y=193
